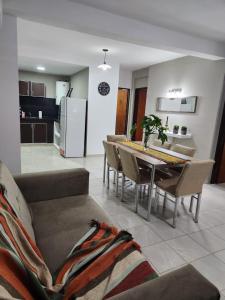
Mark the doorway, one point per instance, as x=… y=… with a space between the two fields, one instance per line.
x=139 y=111
x=122 y=110
x=218 y=174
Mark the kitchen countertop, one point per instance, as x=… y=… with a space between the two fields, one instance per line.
x=37 y=120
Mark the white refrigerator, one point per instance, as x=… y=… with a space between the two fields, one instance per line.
x=72 y=127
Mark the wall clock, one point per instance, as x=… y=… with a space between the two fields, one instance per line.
x=103 y=88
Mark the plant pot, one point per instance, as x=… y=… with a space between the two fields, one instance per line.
x=175 y=129
x=183 y=130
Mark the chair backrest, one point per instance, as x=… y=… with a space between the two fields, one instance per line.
x=112 y=155
x=116 y=138
x=183 y=149
x=129 y=164
x=158 y=143
x=193 y=177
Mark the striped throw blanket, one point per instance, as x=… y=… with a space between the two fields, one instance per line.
x=104 y=263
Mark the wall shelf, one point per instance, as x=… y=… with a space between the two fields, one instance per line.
x=179 y=136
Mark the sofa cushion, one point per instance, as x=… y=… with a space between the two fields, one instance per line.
x=15 y=198
x=60 y=223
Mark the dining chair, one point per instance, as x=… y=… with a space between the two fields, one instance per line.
x=112 y=138
x=113 y=162
x=183 y=149
x=189 y=183
x=131 y=170
x=159 y=143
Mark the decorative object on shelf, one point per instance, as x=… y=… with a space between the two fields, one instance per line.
x=167 y=124
x=153 y=125
x=177 y=104
x=105 y=66
x=132 y=131
x=103 y=88
x=183 y=130
x=175 y=129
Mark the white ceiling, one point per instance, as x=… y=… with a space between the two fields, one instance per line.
x=66 y=51
x=193 y=27
x=52 y=67
x=205 y=18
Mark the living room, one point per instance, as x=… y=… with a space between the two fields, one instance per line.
x=139 y=212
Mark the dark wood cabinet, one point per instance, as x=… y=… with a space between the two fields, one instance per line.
x=26 y=131
x=36 y=132
x=40 y=133
x=24 y=88
x=38 y=89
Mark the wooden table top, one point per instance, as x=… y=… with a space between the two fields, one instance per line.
x=152 y=160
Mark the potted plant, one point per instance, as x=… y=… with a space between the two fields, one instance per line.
x=175 y=129
x=153 y=125
x=183 y=130
x=132 y=131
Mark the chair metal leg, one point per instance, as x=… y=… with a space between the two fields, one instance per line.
x=123 y=184
x=182 y=200
x=151 y=192
x=191 y=204
x=137 y=189
x=198 y=208
x=117 y=183
x=156 y=199
x=104 y=167
x=108 y=170
x=175 y=212
x=114 y=177
x=164 y=204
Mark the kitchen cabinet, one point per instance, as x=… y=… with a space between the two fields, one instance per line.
x=24 y=88
x=36 y=132
x=38 y=89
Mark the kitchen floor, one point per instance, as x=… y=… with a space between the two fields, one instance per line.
x=202 y=245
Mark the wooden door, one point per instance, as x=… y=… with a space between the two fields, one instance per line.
x=26 y=132
x=37 y=89
x=24 y=88
x=139 y=111
x=40 y=133
x=122 y=111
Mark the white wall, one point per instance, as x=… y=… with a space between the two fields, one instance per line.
x=48 y=79
x=196 y=77
x=125 y=79
x=9 y=96
x=79 y=83
x=101 y=109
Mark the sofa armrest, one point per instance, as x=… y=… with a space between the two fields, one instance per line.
x=183 y=284
x=53 y=184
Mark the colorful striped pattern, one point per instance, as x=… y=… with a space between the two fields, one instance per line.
x=105 y=263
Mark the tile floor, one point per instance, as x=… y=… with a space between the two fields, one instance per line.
x=202 y=245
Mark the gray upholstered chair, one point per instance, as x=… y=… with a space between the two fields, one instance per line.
x=190 y=182
x=183 y=150
x=131 y=170
x=113 y=138
x=159 y=143
x=113 y=162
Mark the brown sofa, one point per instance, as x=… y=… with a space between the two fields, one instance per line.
x=56 y=212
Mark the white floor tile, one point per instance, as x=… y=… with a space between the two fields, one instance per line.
x=162 y=257
x=187 y=248
x=213 y=269
x=165 y=231
x=144 y=235
x=219 y=231
x=208 y=240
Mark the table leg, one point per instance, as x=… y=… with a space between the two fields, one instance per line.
x=151 y=192
x=104 y=166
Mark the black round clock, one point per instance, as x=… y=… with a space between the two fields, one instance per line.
x=103 y=88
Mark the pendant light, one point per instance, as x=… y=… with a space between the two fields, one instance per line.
x=104 y=66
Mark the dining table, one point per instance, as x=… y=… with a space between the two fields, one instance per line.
x=154 y=157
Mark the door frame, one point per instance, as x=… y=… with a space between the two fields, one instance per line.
x=134 y=101
x=220 y=140
x=127 y=108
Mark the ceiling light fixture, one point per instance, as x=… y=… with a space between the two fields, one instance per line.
x=40 y=68
x=104 y=66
